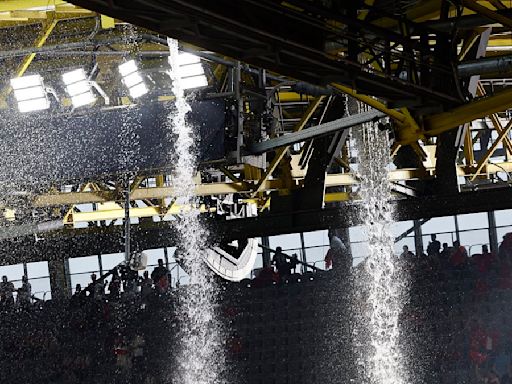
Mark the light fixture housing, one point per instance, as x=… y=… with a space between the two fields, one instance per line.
x=191 y=71
x=132 y=79
x=78 y=87
x=30 y=93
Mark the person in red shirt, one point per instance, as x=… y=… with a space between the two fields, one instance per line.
x=459 y=255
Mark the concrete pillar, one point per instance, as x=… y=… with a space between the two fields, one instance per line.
x=60 y=280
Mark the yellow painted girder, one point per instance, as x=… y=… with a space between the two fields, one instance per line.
x=485 y=106
x=15 y=5
x=138 y=212
x=293 y=97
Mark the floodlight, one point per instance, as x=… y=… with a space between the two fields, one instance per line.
x=33 y=105
x=190 y=71
x=185 y=58
x=26 y=81
x=138 y=90
x=83 y=99
x=78 y=87
x=194 y=82
x=30 y=93
x=132 y=79
x=128 y=67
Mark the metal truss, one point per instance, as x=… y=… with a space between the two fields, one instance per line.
x=400 y=65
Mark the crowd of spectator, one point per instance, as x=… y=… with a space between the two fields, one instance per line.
x=100 y=335
x=458 y=311
x=456 y=314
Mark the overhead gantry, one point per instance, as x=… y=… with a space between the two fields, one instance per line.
x=286 y=75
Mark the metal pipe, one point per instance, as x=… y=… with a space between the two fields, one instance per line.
x=319 y=130
x=495 y=65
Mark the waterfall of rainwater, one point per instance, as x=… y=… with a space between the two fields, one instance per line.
x=384 y=280
x=200 y=356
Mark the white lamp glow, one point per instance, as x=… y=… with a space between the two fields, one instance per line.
x=191 y=71
x=78 y=87
x=132 y=79
x=30 y=93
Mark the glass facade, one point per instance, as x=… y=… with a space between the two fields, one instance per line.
x=472 y=230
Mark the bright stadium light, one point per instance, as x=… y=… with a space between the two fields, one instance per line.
x=132 y=79
x=30 y=93
x=191 y=71
x=78 y=87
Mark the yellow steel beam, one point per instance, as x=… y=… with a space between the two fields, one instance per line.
x=15 y=5
x=489 y=13
x=282 y=151
x=491 y=150
x=39 y=43
x=214 y=189
x=409 y=130
x=468 y=146
x=22 y=68
x=107 y=22
x=286 y=97
x=485 y=106
x=115 y=213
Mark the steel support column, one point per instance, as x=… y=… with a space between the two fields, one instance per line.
x=493 y=235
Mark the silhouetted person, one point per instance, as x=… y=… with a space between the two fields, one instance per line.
x=406 y=252
x=97 y=288
x=114 y=287
x=434 y=246
x=459 y=255
x=24 y=293
x=6 y=293
x=505 y=249
x=282 y=266
x=160 y=277
x=77 y=299
x=146 y=285
x=294 y=261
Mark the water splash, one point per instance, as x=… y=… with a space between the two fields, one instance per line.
x=199 y=358
x=384 y=281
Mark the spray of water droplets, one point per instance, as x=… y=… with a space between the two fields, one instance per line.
x=199 y=357
x=384 y=281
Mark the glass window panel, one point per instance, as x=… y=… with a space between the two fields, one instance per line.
x=13 y=272
x=84 y=264
x=473 y=240
x=316 y=238
x=290 y=241
x=473 y=221
x=316 y=255
x=357 y=234
x=259 y=261
x=38 y=269
x=110 y=260
x=41 y=288
x=503 y=217
x=400 y=227
x=84 y=279
x=439 y=225
x=154 y=255
x=359 y=251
